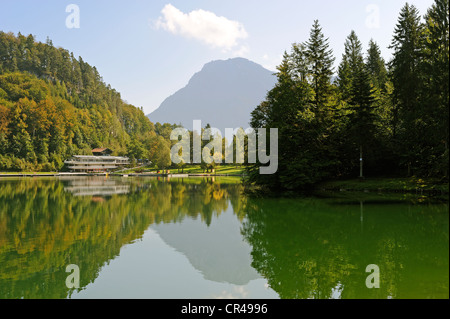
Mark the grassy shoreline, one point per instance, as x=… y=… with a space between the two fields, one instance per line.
x=191 y=169
x=376 y=184
x=386 y=184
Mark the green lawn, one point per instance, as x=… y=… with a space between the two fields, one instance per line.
x=193 y=169
x=227 y=169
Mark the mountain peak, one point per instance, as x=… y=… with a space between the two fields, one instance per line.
x=233 y=63
x=223 y=94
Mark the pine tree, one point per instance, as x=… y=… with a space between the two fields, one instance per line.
x=404 y=69
x=351 y=65
x=362 y=119
x=320 y=60
x=406 y=44
x=289 y=108
x=435 y=92
x=376 y=66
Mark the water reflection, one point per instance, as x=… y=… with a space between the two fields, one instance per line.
x=96 y=186
x=309 y=248
x=44 y=227
x=217 y=251
x=238 y=246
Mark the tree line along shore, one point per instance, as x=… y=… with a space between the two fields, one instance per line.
x=368 y=118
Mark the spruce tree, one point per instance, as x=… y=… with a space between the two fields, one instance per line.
x=352 y=63
x=362 y=118
x=382 y=90
x=404 y=69
x=435 y=90
x=320 y=60
x=357 y=95
x=376 y=66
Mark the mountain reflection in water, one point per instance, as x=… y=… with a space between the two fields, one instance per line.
x=203 y=238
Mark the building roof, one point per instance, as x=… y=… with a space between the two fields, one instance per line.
x=100 y=157
x=99 y=150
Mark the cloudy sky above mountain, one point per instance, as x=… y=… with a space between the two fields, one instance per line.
x=147 y=50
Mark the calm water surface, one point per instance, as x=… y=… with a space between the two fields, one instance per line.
x=203 y=238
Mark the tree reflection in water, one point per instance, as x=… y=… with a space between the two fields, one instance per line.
x=311 y=248
x=303 y=247
x=45 y=226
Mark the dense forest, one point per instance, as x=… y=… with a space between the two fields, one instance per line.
x=369 y=117
x=53 y=105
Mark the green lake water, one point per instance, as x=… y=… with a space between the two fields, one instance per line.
x=204 y=238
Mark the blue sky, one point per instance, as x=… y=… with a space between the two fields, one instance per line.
x=147 y=50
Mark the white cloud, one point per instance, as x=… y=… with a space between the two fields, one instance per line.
x=205 y=26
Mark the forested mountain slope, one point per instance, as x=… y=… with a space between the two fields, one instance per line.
x=53 y=105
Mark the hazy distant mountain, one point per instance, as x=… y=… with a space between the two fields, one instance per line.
x=223 y=94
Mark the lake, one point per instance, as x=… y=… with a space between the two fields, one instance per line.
x=144 y=237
